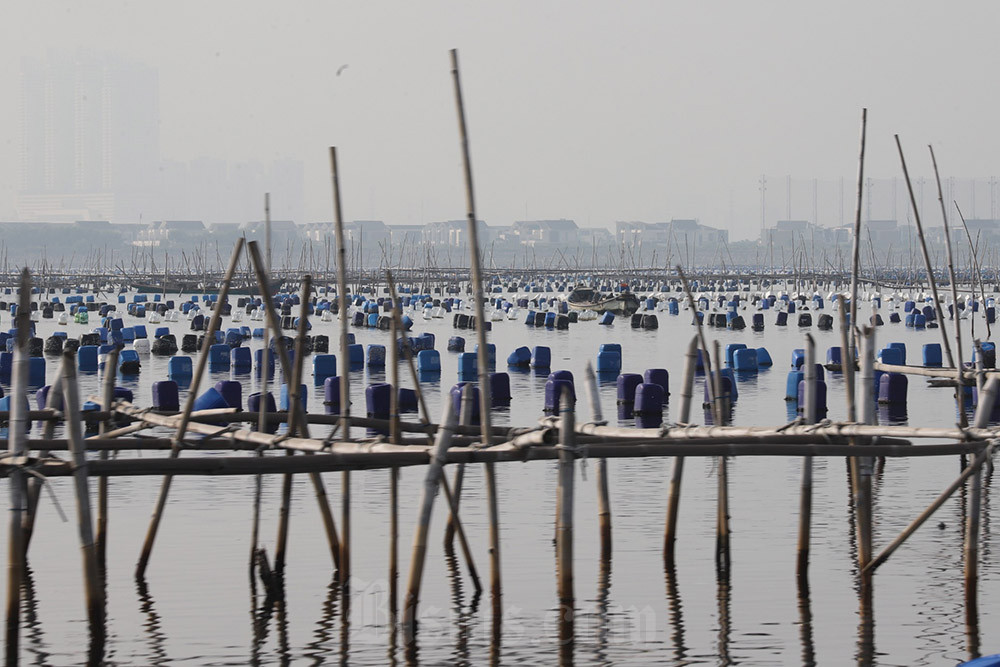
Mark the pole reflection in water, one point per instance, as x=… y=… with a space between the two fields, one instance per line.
x=35 y=644
x=345 y=623
x=866 y=621
x=464 y=616
x=603 y=595
x=321 y=646
x=724 y=593
x=805 y=623
x=153 y=625
x=676 y=612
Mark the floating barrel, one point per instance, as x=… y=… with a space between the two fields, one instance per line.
x=218 y=357
x=189 y=343
x=658 y=376
x=179 y=367
x=892 y=388
x=782 y=319
x=609 y=358
x=283 y=397
x=550 y=319
x=128 y=362
x=356 y=356
x=260 y=360
x=240 y=359
x=792 y=385
x=211 y=399
x=86 y=358
x=36 y=347
x=378 y=398
x=375 y=356
x=727 y=387
x=763 y=358
x=456 y=344
x=929 y=313
x=456 y=398
x=697 y=318
x=232 y=392
x=877 y=320
x=429 y=361
x=321 y=343
x=932 y=354
x=636 y=320
x=758 y=322
x=737 y=323
x=649 y=399
x=919 y=321
x=607 y=317
x=745 y=360
x=894 y=318
x=991 y=314
x=805 y=320
x=165 y=396
x=324 y=366
x=529 y=318
x=731 y=349
x=331 y=393
x=520 y=357
x=499 y=389
x=406 y=400
x=791 y=307
x=627 y=383
x=892 y=356
x=467 y=364
x=541 y=357
x=491 y=354
x=54 y=345
x=820 y=397
x=989 y=351
x=554 y=388
x=36 y=371
x=824 y=322
x=798 y=357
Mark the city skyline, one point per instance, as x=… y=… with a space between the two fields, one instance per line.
x=646 y=111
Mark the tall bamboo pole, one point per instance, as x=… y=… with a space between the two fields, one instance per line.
x=805 y=501
x=856 y=252
x=161 y=501
x=959 y=388
x=564 y=548
x=17 y=447
x=984 y=412
x=345 y=387
x=107 y=398
x=483 y=356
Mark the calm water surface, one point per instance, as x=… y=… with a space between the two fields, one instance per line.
x=196 y=606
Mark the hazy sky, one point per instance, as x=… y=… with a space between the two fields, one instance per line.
x=596 y=111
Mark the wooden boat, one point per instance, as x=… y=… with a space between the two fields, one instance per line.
x=587 y=298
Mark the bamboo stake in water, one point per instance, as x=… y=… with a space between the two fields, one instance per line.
x=345 y=388
x=161 y=501
x=959 y=389
x=674 y=498
x=110 y=373
x=603 y=495
x=564 y=549
x=55 y=402
x=466 y=411
x=91 y=574
x=431 y=482
x=984 y=412
x=17 y=447
x=805 y=501
x=483 y=355
x=856 y=252
x=722 y=508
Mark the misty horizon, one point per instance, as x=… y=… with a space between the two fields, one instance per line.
x=596 y=114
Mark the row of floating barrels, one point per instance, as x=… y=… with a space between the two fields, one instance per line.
x=550 y=319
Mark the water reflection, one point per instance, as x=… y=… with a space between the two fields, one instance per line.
x=805 y=623
x=35 y=638
x=465 y=616
x=322 y=644
x=724 y=591
x=152 y=626
x=675 y=612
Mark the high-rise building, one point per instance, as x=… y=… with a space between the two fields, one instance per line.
x=90 y=146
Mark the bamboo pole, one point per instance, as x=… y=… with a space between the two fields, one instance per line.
x=55 y=403
x=345 y=387
x=16 y=447
x=107 y=399
x=959 y=390
x=984 y=411
x=564 y=547
x=674 y=498
x=978 y=271
x=722 y=559
x=431 y=482
x=465 y=419
x=856 y=251
x=394 y=472
x=94 y=591
x=603 y=495
x=483 y=355
x=161 y=501
x=295 y=427
x=805 y=500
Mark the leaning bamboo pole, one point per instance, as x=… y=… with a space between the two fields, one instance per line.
x=856 y=244
x=601 y=468
x=483 y=355
x=674 y=498
x=161 y=501
x=92 y=578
